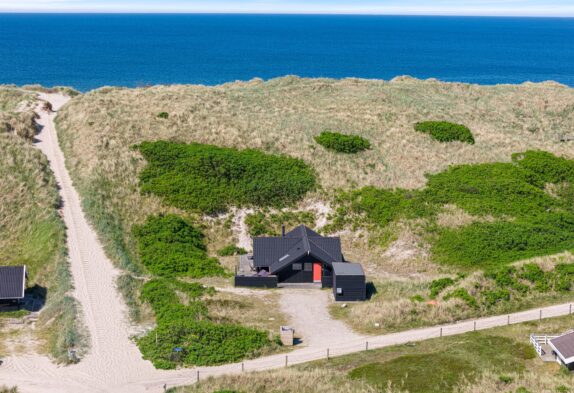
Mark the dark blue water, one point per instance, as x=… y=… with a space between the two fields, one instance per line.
x=88 y=51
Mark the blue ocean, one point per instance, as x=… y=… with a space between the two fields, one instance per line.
x=90 y=51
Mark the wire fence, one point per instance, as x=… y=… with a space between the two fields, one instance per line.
x=305 y=355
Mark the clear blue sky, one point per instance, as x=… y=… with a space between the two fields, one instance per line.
x=416 y=7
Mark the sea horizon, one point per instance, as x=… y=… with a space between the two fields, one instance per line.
x=90 y=50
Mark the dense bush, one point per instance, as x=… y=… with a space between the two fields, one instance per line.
x=529 y=220
x=169 y=245
x=231 y=250
x=188 y=328
x=269 y=224
x=437 y=286
x=211 y=179
x=342 y=143
x=444 y=131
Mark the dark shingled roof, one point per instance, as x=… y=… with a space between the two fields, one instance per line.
x=348 y=269
x=278 y=252
x=564 y=344
x=12 y=282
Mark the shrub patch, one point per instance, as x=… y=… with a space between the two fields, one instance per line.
x=342 y=143
x=444 y=131
x=210 y=179
x=169 y=245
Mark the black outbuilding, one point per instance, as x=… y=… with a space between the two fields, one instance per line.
x=349 y=282
x=12 y=283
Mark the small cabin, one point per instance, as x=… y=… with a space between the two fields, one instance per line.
x=563 y=349
x=300 y=256
x=12 y=285
x=349 y=282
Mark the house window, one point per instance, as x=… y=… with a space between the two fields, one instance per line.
x=297 y=266
x=340 y=291
x=308 y=267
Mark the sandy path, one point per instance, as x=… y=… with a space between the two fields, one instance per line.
x=114 y=363
x=308 y=311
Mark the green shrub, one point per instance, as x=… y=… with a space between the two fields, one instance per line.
x=493 y=297
x=444 y=131
x=417 y=299
x=269 y=224
x=202 y=342
x=210 y=179
x=494 y=243
x=461 y=293
x=169 y=245
x=505 y=379
x=163 y=115
x=437 y=286
x=231 y=250
x=342 y=143
x=544 y=167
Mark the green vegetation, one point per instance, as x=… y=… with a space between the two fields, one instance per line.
x=494 y=361
x=269 y=224
x=185 y=335
x=169 y=245
x=342 y=143
x=163 y=115
x=33 y=234
x=231 y=250
x=444 y=131
x=14 y=314
x=529 y=220
x=442 y=371
x=210 y=179
x=508 y=283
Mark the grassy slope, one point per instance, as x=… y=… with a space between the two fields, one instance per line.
x=32 y=232
x=283 y=115
x=468 y=363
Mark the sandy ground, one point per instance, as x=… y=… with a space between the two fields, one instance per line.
x=114 y=363
x=308 y=312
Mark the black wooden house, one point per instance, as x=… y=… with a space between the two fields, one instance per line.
x=12 y=284
x=297 y=257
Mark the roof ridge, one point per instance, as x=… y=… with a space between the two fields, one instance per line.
x=305 y=238
x=322 y=249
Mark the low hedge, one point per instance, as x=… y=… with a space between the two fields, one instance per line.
x=169 y=246
x=185 y=335
x=342 y=143
x=444 y=131
x=210 y=179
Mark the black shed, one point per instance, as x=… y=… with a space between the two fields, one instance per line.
x=349 y=282
x=12 y=283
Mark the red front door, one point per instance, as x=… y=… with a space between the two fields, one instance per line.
x=317 y=271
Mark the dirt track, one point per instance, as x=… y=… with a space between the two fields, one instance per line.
x=114 y=363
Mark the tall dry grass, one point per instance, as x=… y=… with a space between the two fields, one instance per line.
x=97 y=131
x=32 y=233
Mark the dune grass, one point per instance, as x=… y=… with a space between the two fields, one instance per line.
x=493 y=361
x=33 y=234
x=282 y=116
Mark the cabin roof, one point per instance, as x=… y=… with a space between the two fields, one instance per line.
x=12 y=282
x=564 y=344
x=278 y=252
x=348 y=269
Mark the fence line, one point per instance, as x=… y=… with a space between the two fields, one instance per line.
x=305 y=355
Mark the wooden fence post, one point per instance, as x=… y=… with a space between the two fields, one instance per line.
x=286 y=360
x=475 y=326
x=242 y=366
x=197 y=376
x=367 y=346
x=327 y=353
x=540 y=318
x=508 y=321
x=441 y=332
